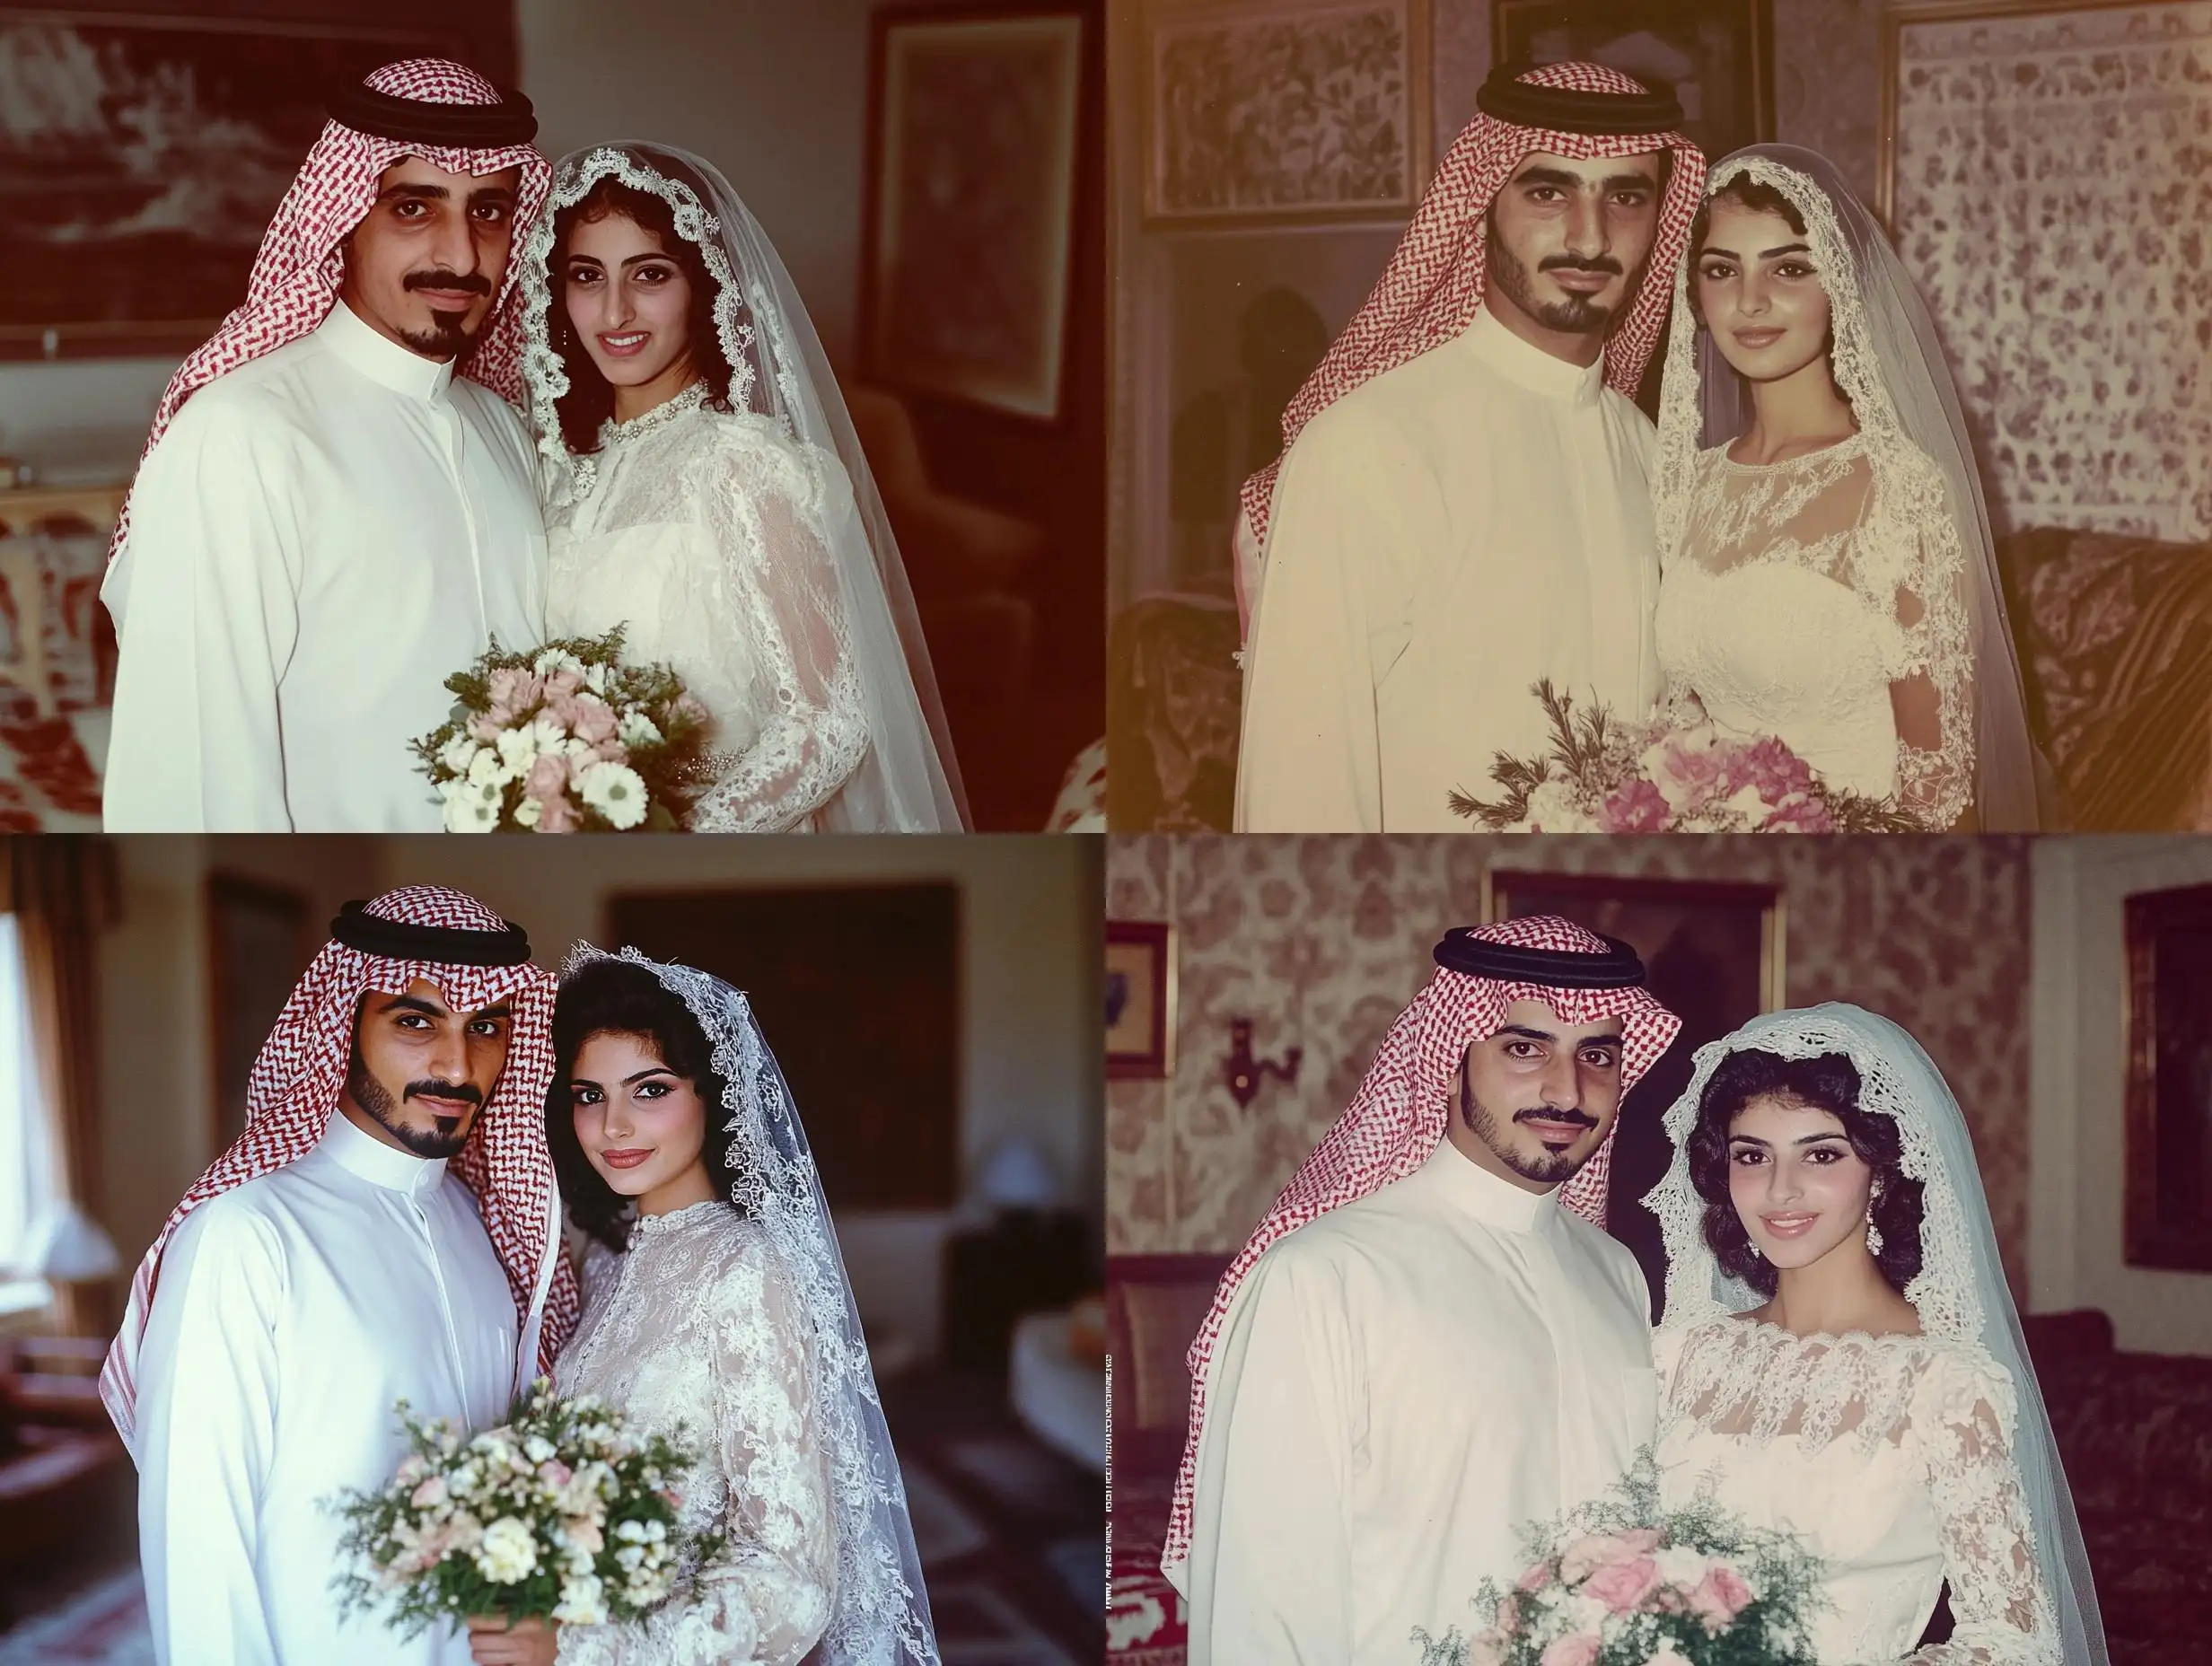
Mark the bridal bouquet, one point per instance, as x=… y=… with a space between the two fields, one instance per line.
x=561 y=1512
x=1620 y=1582
x=1604 y=776
x=563 y=740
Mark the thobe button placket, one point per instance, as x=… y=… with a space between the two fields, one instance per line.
x=425 y=1186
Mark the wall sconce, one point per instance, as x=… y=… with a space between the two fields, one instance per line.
x=1245 y=1074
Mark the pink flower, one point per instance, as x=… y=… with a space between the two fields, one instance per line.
x=1720 y=1596
x=1586 y=1556
x=1620 y=1586
x=1687 y=769
x=589 y=718
x=562 y=684
x=547 y=778
x=555 y=1474
x=1536 y=1578
x=673 y=1499
x=429 y=1493
x=1580 y=1649
x=560 y=815
x=1508 y=1615
x=1487 y=1649
x=1769 y=766
x=487 y=726
x=515 y=688
x=1638 y=807
x=1799 y=813
x=584 y=1533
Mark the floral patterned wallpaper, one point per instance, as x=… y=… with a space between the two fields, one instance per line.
x=1322 y=941
x=2052 y=202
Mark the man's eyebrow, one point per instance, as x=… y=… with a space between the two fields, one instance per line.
x=492 y=193
x=409 y=188
x=1548 y=176
x=1525 y=1032
x=1625 y=182
x=413 y=1004
x=498 y=1008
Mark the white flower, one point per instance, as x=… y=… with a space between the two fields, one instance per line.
x=509 y=1552
x=1552 y=810
x=468 y=807
x=616 y=792
x=458 y=753
x=629 y=1556
x=1667 y=1657
x=631 y=1532
x=656 y=1531
x=1585 y=1614
x=1681 y=1565
x=558 y=660
x=528 y=813
x=488 y=768
x=518 y=750
x=596 y=677
x=466 y=1480
x=583 y=1602
x=637 y=729
x=538 y=1448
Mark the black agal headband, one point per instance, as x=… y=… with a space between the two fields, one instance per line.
x=1618 y=967
x=443 y=945
x=1569 y=110
x=416 y=122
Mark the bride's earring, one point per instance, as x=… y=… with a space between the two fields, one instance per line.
x=1873 y=1233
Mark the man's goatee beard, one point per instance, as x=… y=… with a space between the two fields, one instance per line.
x=444 y=1140
x=1546 y=1171
x=1578 y=315
x=442 y=340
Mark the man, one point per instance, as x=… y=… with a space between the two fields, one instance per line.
x=1464 y=506
x=1420 y=1351
x=337 y=508
x=385 y=1228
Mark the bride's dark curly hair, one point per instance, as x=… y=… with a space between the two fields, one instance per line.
x=589 y=402
x=1830 y=1083
x=620 y=998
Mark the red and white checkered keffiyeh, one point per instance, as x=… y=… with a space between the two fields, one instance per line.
x=297 y=273
x=1397 y=1119
x=293 y=1093
x=1432 y=288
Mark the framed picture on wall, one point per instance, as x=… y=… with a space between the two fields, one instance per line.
x=258 y=946
x=974 y=121
x=1140 y=1000
x=2169 y=1054
x=1284 y=112
x=1716 y=55
x=1713 y=954
x=134 y=196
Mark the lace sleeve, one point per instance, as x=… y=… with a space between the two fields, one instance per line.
x=797 y=727
x=1932 y=689
x=1958 y=1433
x=765 y=1596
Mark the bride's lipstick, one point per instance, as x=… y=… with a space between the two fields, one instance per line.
x=1764 y=336
x=626 y=344
x=1789 y=1225
x=624 y=1159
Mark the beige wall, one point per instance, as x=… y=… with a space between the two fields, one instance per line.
x=2077 y=1251
x=1028 y=997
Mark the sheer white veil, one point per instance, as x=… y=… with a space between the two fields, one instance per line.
x=1889 y=362
x=910 y=781
x=1961 y=1291
x=879 y=1616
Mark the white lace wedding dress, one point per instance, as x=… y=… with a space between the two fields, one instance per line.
x=707 y=534
x=699 y=1324
x=1890 y=1458
x=1800 y=590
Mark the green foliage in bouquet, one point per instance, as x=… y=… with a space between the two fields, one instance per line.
x=562 y=1513
x=1619 y=1580
x=566 y=738
x=1587 y=746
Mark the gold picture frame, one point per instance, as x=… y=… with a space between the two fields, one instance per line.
x=1140 y=1000
x=1223 y=82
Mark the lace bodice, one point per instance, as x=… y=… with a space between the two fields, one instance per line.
x=1891 y=1457
x=707 y=533
x=1821 y=600
x=698 y=1324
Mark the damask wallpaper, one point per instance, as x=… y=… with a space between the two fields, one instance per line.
x=2052 y=198
x=1322 y=941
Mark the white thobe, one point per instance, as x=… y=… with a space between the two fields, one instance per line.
x=1443 y=537
x=321 y=538
x=1400 y=1387
x=289 y=1315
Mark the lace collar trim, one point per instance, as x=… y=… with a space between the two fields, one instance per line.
x=675 y=1220
x=681 y=404
x=1842 y=448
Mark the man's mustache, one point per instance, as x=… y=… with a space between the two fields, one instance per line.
x=465 y=1092
x=1544 y=1113
x=466 y=283
x=1577 y=263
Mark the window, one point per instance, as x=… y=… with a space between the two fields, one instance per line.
x=27 y=1152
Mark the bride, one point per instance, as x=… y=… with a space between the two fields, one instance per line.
x=714 y=1297
x=1878 y=1402
x=703 y=488
x=1826 y=574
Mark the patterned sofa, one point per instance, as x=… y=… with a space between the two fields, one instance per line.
x=2115 y=642
x=2114 y=635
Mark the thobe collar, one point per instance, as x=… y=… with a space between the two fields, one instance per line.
x=381 y=360
x=1527 y=366
x=370 y=1159
x=1496 y=1203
